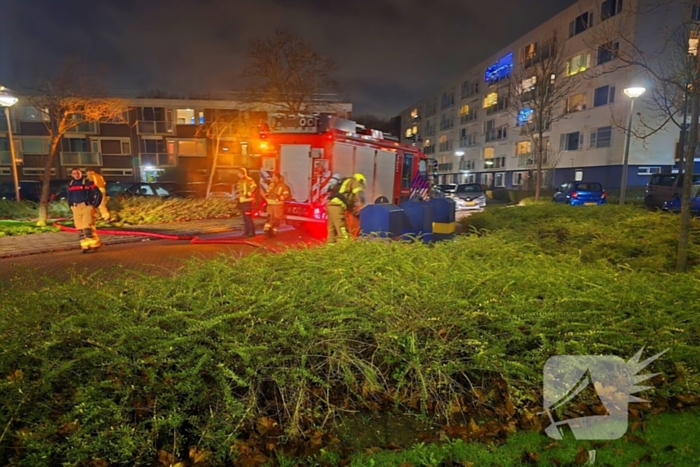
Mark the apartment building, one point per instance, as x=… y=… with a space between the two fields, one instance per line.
x=157 y=139
x=475 y=137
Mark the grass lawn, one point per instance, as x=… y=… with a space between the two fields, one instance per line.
x=239 y=361
x=12 y=228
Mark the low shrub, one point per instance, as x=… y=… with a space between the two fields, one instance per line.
x=14 y=228
x=117 y=372
x=154 y=210
x=626 y=236
x=28 y=210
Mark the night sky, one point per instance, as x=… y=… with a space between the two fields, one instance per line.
x=390 y=52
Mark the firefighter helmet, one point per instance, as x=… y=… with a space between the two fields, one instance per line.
x=360 y=178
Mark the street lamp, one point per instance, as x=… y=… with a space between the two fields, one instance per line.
x=7 y=100
x=633 y=93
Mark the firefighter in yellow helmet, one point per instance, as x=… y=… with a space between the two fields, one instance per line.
x=277 y=194
x=246 y=195
x=101 y=184
x=349 y=197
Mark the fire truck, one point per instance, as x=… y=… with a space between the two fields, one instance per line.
x=308 y=150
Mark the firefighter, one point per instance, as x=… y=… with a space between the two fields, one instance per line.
x=83 y=198
x=349 y=197
x=100 y=183
x=246 y=195
x=277 y=194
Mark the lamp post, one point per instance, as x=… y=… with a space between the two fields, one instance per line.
x=7 y=100
x=633 y=93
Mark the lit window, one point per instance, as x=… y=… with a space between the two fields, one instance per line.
x=525 y=116
x=499 y=70
x=490 y=100
x=523 y=147
x=578 y=64
x=576 y=103
x=408 y=133
x=185 y=116
x=527 y=85
x=414 y=113
x=464 y=110
x=489 y=153
x=192 y=148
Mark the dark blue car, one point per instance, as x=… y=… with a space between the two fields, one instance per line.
x=581 y=194
x=674 y=204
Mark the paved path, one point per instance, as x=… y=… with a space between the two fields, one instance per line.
x=150 y=257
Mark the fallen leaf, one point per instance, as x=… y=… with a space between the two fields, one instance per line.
x=17 y=375
x=529 y=458
x=636 y=439
x=165 y=458
x=197 y=455
x=555 y=444
x=373 y=450
x=582 y=456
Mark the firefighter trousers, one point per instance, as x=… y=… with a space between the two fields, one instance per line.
x=337 y=227
x=249 y=225
x=84 y=221
x=275 y=213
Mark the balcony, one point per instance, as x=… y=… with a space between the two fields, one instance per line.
x=5 y=158
x=529 y=160
x=446 y=167
x=531 y=129
x=85 y=128
x=466 y=165
x=146 y=127
x=157 y=159
x=497 y=134
x=81 y=159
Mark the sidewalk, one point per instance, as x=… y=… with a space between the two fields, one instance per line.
x=23 y=245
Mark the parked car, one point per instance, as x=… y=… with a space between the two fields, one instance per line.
x=147 y=189
x=29 y=190
x=674 y=204
x=582 y=193
x=664 y=187
x=466 y=195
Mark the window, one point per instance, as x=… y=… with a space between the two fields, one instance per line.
x=499 y=180
x=500 y=70
x=465 y=139
x=32 y=114
x=523 y=147
x=575 y=103
x=192 y=148
x=527 y=85
x=578 y=175
x=189 y=117
x=446 y=122
x=578 y=64
x=644 y=171
x=571 y=141
x=464 y=110
x=600 y=138
x=604 y=95
x=447 y=100
x=489 y=153
x=467 y=113
x=610 y=8
x=431 y=108
x=490 y=100
x=115 y=147
x=580 y=24
x=118 y=172
x=607 y=52
x=444 y=144
x=429 y=128
x=414 y=113
x=469 y=89
x=35 y=146
x=487 y=179
x=528 y=51
x=518 y=178
x=5 y=171
x=695 y=13
x=36 y=171
x=525 y=116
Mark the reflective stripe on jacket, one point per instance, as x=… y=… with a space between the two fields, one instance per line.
x=350 y=192
x=278 y=193
x=246 y=188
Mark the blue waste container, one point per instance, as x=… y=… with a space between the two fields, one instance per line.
x=444 y=224
x=384 y=220
x=418 y=219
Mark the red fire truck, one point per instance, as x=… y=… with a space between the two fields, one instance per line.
x=309 y=150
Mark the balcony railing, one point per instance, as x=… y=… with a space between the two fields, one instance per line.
x=88 y=127
x=446 y=167
x=73 y=159
x=497 y=134
x=157 y=159
x=466 y=165
x=5 y=158
x=530 y=160
x=531 y=128
x=146 y=127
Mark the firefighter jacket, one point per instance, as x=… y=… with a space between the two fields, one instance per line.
x=83 y=191
x=350 y=194
x=246 y=189
x=98 y=180
x=278 y=193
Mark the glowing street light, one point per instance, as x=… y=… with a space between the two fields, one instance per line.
x=633 y=93
x=7 y=100
x=459 y=153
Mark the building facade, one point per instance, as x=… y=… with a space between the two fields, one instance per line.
x=475 y=136
x=156 y=140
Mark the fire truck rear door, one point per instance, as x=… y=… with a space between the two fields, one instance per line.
x=378 y=168
x=295 y=167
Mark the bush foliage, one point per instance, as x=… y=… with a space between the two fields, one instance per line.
x=154 y=210
x=123 y=371
x=28 y=210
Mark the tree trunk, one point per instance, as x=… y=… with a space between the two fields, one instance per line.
x=213 y=165
x=684 y=235
x=46 y=185
x=538 y=174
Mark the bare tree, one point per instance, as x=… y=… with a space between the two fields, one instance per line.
x=67 y=101
x=666 y=59
x=288 y=73
x=540 y=86
x=224 y=123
